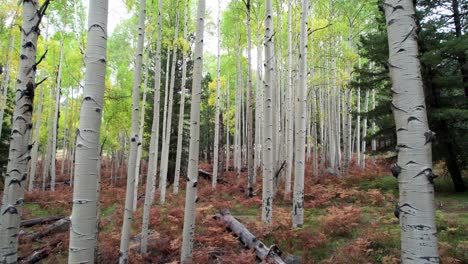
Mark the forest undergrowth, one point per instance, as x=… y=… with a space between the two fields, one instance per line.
x=347 y=220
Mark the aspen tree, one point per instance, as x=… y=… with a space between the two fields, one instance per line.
x=414 y=168
x=218 y=73
x=192 y=177
x=289 y=108
x=34 y=151
x=269 y=88
x=6 y=81
x=374 y=129
x=358 y=128
x=249 y=119
x=140 y=135
x=53 y=172
x=167 y=137
x=180 y=133
x=134 y=140
x=301 y=99
x=364 y=131
x=19 y=152
x=83 y=233
x=153 y=151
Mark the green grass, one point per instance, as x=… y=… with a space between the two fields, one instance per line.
x=37 y=211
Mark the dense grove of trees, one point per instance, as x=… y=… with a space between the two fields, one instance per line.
x=290 y=84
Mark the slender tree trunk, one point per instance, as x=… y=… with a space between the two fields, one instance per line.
x=180 y=133
x=140 y=135
x=374 y=130
x=18 y=156
x=364 y=131
x=53 y=172
x=153 y=151
x=134 y=141
x=166 y=143
x=237 y=125
x=64 y=141
x=6 y=82
x=268 y=155
x=192 y=177
x=289 y=108
x=358 y=128
x=37 y=130
x=83 y=231
x=250 y=149
x=228 y=146
x=414 y=169
x=301 y=99
x=258 y=105
x=218 y=73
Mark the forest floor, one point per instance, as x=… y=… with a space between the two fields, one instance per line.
x=347 y=220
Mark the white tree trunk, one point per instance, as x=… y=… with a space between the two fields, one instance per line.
x=268 y=155
x=153 y=151
x=218 y=73
x=18 y=156
x=53 y=172
x=258 y=105
x=34 y=151
x=374 y=130
x=300 y=124
x=358 y=128
x=249 y=127
x=83 y=231
x=180 y=133
x=166 y=143
x=289 y=108
x=134 y=141
x=364 y=131
x=6 y=82
x=192 y=177
x=65 y=149
x=140 y=135
x=414 y=169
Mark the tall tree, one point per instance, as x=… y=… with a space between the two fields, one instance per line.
x=300 y=123
x=192 y=177
x=414 y=168
x=269 y=88
x=135 y=140
x=19 y=153
x=83 y=232
x=182 y=104
x=218 y=76
x=153 y=151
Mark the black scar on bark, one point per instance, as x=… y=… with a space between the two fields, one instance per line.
x=396 y=170
x=396 y=211
x=428 y=173
x=430 y=137
x=11 y=210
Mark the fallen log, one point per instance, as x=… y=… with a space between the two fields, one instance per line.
x=40 y=220
x=59 y=226
x=263 y=252
x=41 y=253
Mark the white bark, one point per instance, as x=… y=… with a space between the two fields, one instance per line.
x=364 y=131
x=300 y=124
x=134 y=141
x=19 y=152
x=358 y=128
x=140 y=135
x=53 y=172
x=34 y=151
x=269 y=88
x=180 y=133
x=83 y=231
x=374 y=130
x=416 y=206
x=289 y=108
x=6 y=82
x=65 y=149
x=166 y=143
x=249 y=119
x=153 y=151
x=258 y=106
x=218 y=73
x=192 y=177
